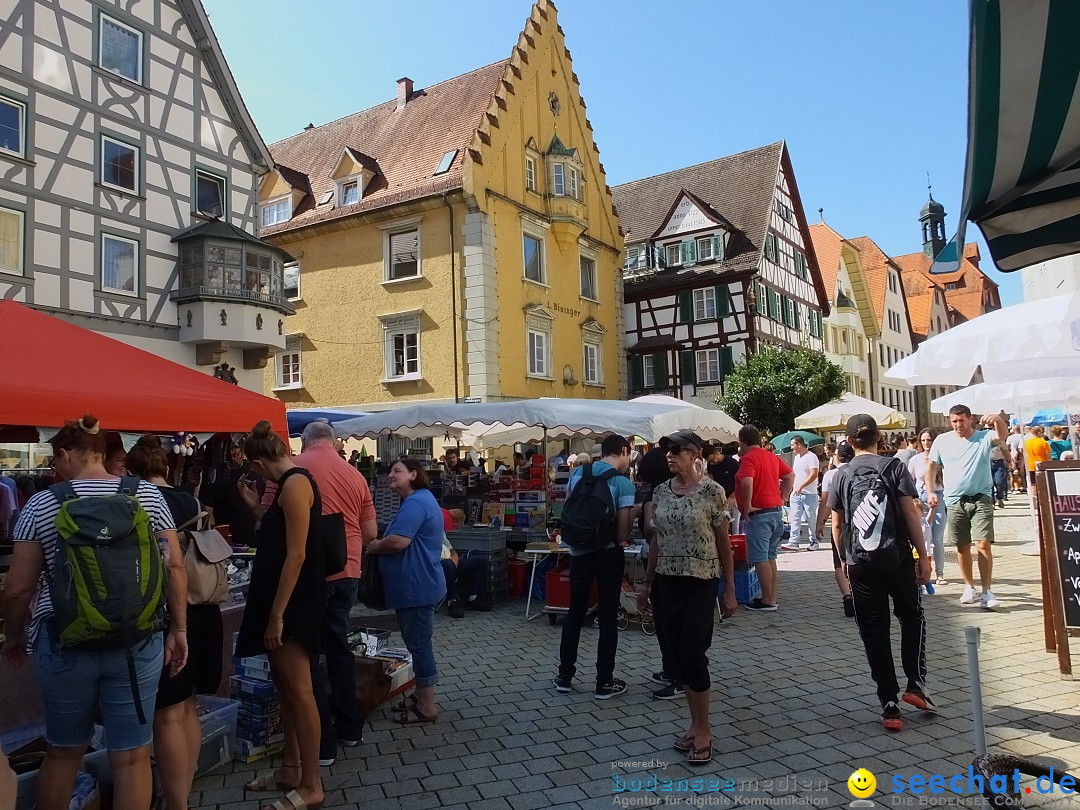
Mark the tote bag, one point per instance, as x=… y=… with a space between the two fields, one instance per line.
x=371 y=591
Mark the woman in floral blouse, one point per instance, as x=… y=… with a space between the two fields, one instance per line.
x=688 y=554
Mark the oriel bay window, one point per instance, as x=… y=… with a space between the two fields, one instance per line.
x=401 y=346
x=230 y=270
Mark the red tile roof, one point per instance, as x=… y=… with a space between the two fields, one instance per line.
x=827 y=245
x=967 y=298
x=876 y=269
x=405 y=146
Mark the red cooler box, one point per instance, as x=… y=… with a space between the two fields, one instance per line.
x=738 y=547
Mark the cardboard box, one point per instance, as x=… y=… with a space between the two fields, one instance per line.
x=250 y=686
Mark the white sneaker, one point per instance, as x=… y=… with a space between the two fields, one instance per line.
x=789 y=546
x=970 y=596
x=989 y=601
x=814 y=546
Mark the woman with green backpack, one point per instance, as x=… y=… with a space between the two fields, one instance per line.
x=96 y=649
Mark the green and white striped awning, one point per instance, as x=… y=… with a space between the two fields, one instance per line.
x=1022 y=181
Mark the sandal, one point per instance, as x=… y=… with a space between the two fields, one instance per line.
x=699 y=756
x=420 y=717
x=292 y=801
x=268 y=782
x=406 y=704
x=942 y=581
x=684 y=744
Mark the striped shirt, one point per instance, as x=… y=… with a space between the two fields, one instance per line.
x=37 y=524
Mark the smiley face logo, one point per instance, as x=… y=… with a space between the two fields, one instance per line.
x=861 y=783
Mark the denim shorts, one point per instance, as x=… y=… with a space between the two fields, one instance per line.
x=75 y=683
x=763 y=530
x=417 y=626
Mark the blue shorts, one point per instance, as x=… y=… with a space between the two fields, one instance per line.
x=763 y=531
x=75 y=683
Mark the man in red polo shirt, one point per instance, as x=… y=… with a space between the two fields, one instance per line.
x=763 y=484
x=343 y=489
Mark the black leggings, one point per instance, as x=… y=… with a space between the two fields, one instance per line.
x=683 y=608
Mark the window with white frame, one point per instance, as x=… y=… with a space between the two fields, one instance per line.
x=705 y=249
x=12 y=230
x=705 y=304
x=592 y=364
x=291 y=287
x=349 y=191
x=274 y=212
x=289 y=364
x=589 y=287
x=120 y=48
x=674 y=254
x=533 y=255
x=572 y=182
x=708 y=365
x=648 y=371
x=403 y=254
x=119 y=264
x=538 y=327
x=402 y=346
x=635 y=257
x=209 y=194
x=12 y=126
x=119 y=164
x=558 y=180
x=530 y=173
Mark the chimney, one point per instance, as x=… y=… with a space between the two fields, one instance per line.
x=404 y=91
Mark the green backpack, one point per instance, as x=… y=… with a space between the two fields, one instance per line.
x=108 y=577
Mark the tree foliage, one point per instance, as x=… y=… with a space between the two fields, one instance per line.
x=773 y=386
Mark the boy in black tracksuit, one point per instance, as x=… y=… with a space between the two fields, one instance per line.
x=876 y=576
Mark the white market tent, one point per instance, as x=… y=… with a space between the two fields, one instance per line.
x=1020 y=399
x=1027 y=341
x=833 y=416
x=499 y=423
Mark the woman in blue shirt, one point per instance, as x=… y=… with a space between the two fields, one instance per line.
x=413 y=580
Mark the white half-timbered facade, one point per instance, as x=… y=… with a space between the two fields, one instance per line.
x=718 y=257
x=129 y=170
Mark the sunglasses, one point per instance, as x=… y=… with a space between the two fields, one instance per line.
x=675 y=449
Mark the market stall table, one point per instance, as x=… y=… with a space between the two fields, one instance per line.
x=631 y=552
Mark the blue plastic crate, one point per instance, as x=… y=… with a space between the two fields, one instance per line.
x=746 y=586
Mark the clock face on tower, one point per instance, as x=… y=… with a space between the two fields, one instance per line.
x=553 y=101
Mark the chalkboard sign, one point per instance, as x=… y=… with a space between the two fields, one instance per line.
x=1063 y=487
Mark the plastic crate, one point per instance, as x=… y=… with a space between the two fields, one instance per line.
x=746 y=586
x=216 y=713
x=499 y=595
x=474 y=540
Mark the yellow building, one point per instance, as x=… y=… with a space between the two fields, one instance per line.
x=456 y=242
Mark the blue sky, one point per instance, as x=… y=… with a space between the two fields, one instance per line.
x=869 y=96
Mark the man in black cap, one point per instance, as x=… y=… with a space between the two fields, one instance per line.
x=876 y=523
x=722 y=469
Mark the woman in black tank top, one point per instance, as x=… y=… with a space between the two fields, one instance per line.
x=283 y=616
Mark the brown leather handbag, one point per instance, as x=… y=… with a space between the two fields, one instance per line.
x=372 y=685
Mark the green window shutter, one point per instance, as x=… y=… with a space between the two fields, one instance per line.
x=686 y=306
x=774 y=305
x=660 y=369
x=723 y=302
x=727 y=361
x=691 y=252
x=762 y=300
x=785 y=310
x=798 y=316
x=637 y=372
x=689 y=370
x=717 y=248
x=770 y=247
x=659 y=256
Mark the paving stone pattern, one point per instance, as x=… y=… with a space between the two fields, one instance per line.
x=793 y=708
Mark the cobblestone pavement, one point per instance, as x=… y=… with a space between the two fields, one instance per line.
x=793 y=708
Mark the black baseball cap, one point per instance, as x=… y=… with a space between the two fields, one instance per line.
x=863 y=422
x=845 y=452
x=685 y=438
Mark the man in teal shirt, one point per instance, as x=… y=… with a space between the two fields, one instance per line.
x=604 y=567
x=963 y=456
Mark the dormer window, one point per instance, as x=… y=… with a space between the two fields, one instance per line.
x=564 y=170
x=349 y=191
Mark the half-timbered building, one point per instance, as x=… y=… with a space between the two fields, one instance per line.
x=718 y=260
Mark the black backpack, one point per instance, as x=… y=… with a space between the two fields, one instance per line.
x=873 y=518
x=588 y=516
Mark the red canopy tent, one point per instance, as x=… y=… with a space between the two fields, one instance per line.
x=56 y=371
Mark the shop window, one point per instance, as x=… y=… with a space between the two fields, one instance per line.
x=12 y=234
x=119 y=164
x=119 y=264
x=209 y=194
x=120 y=48
x=12 y=126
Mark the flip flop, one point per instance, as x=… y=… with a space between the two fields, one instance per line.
x=684 y=743
x=268 y=783
x=699 y=756
x=292 y=801
x=419 y=718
